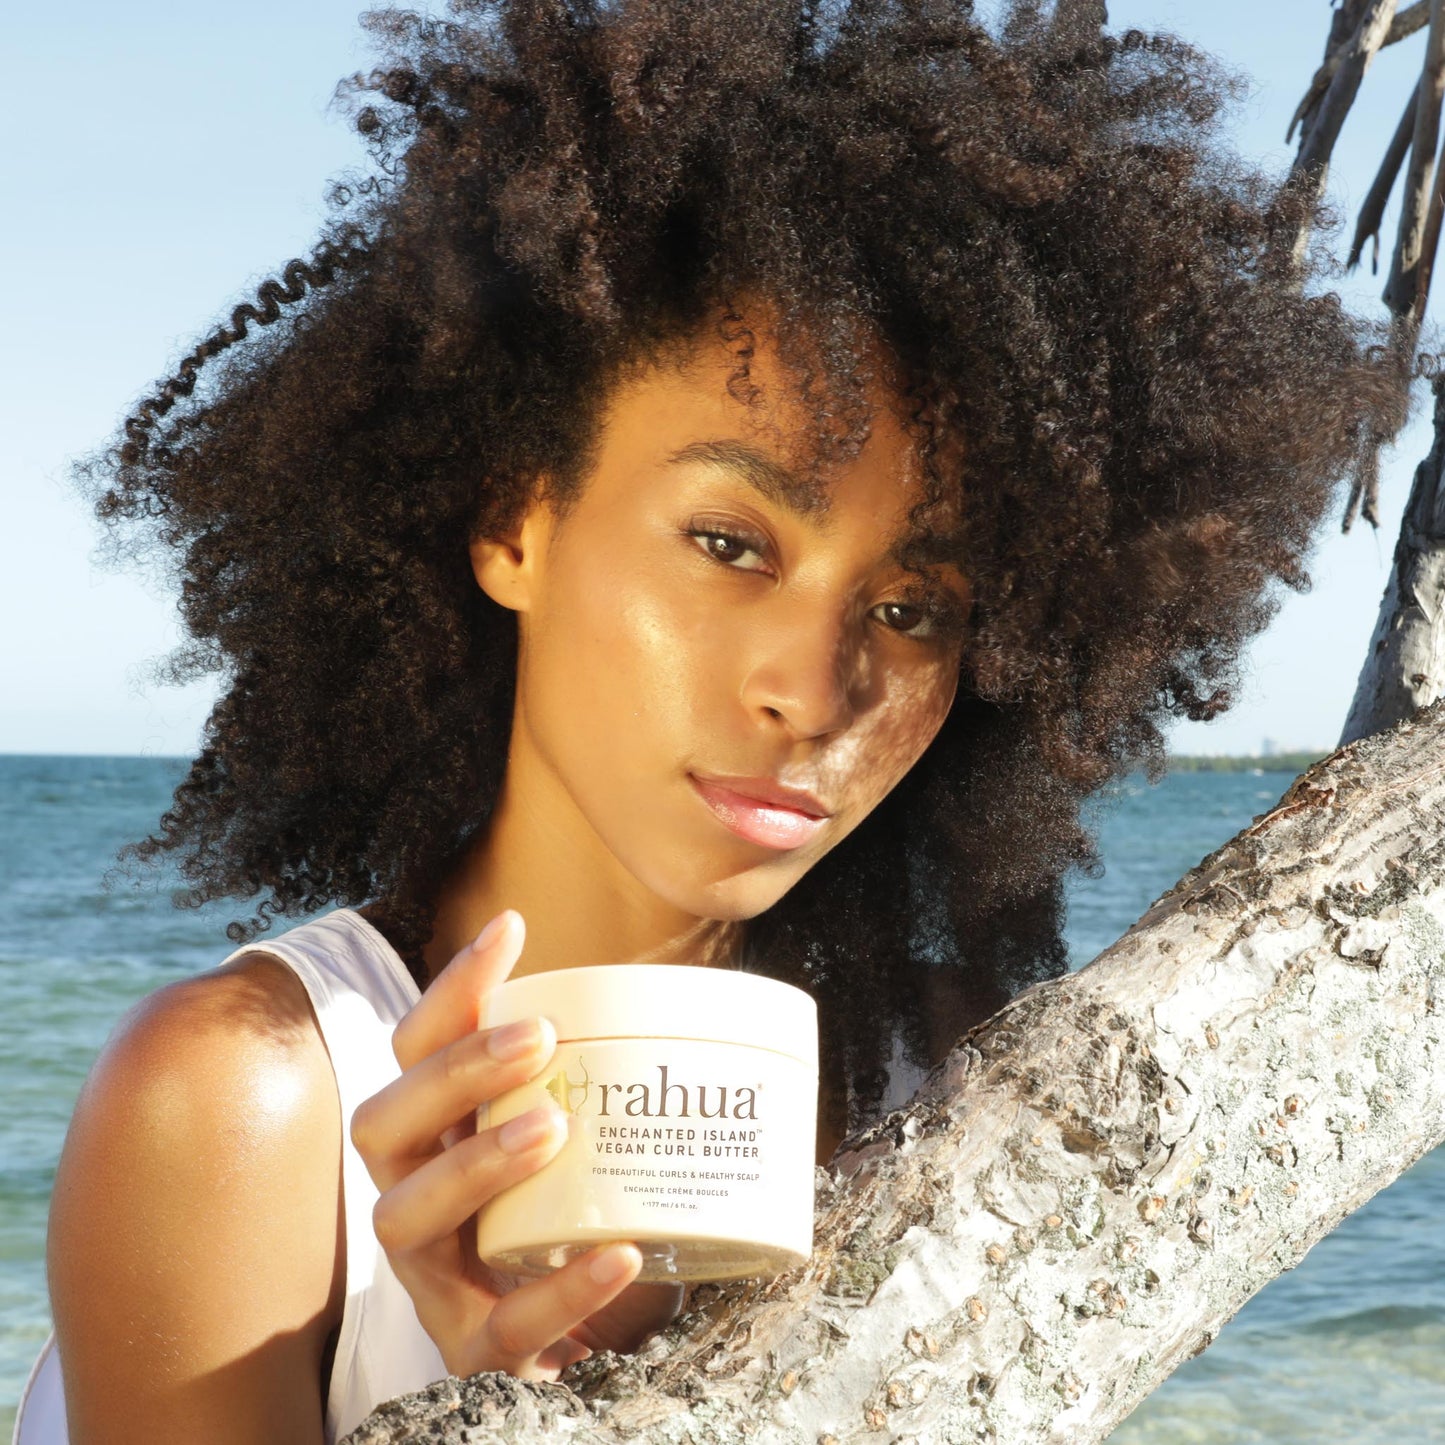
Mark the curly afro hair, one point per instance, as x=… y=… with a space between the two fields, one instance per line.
x=1109 y=349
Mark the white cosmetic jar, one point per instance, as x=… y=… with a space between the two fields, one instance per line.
x=691 y=1099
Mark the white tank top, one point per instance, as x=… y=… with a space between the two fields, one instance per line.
x=360 y=990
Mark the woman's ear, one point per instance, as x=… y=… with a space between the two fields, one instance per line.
x=506 y=565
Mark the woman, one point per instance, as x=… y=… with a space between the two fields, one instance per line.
x=694 y=402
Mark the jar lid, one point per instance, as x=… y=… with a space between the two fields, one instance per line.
x=662 y=1000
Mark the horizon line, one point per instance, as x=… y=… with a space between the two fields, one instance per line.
x=188 y=757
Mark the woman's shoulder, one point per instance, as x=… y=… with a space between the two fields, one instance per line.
x=217 y=1086
x=248 y=1024
x=197 y=1198
x=226 y=1062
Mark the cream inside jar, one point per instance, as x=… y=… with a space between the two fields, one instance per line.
x=691 y=1100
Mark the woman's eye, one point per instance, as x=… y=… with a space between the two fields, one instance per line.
x=926 y=620
x=939 y=621
x=733 y=544
x=923 y=616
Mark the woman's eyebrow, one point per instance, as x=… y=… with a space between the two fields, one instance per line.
x=764 y=475
x=775 y=482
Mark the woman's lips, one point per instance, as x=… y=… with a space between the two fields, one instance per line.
x=763 y=823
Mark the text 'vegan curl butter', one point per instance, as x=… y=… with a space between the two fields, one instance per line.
x=691 y=1098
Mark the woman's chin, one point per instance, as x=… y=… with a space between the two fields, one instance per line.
x=739 y=901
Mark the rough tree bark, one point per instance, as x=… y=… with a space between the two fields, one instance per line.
x=1404 y=668
x=1358 y=30
x=1372 y=208
x=1096 y=1178
x=1419 y=231
x=1406 y=23
x=1348 y=60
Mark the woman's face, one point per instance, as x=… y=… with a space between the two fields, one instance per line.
x=685 y=623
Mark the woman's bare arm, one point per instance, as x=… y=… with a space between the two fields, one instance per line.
x=195 y=1249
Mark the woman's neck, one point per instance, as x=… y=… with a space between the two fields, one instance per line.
x=579 y=904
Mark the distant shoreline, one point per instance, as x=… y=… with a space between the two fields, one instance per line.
x=1293 y=763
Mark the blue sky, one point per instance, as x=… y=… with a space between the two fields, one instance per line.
x=165 y=159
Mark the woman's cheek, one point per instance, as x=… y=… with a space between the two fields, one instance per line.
x=919 y=712
x=657 y=666
x=656 y=632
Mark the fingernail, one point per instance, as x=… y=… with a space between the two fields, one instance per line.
x=493 y=931
x=514 y=1040
x=529 y=1128
x=612 y=1264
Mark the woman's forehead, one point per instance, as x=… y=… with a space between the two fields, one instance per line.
x=667 y=424
x=744 y=409
x=670 y=421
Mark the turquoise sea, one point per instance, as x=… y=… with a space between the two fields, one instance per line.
x=1348 y=1346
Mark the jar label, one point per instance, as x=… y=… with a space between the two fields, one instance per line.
x=665 y=1136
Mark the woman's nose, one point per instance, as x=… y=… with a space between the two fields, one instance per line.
x=807 y=669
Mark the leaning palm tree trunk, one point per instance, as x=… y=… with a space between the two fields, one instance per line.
x=1096 y=1178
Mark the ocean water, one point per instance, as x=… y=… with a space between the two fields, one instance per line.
x=1347 y=1346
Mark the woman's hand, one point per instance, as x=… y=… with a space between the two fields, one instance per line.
x=418 y=1139
x=638 y=1313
